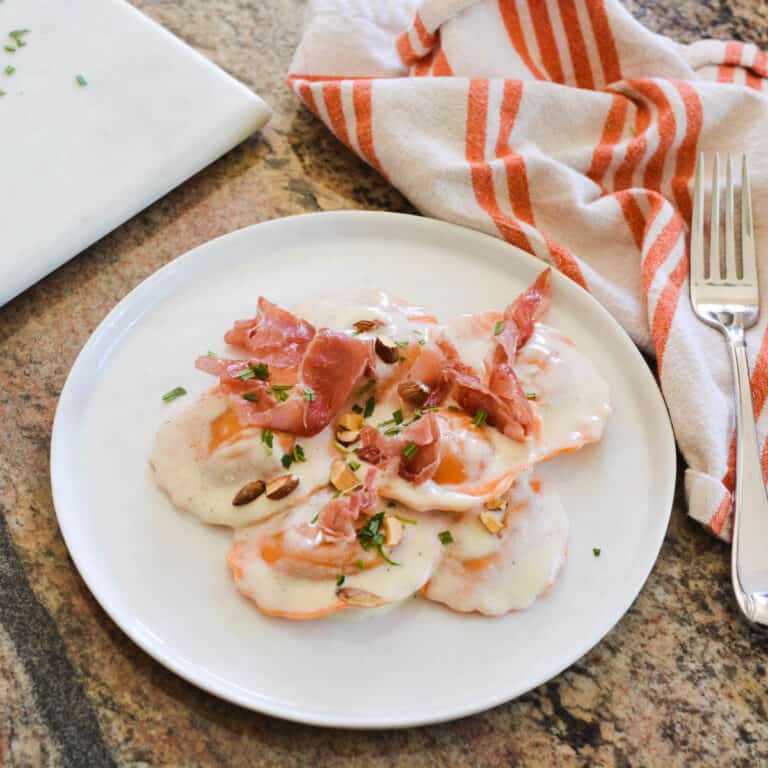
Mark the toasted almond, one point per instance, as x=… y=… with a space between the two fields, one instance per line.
x=363 y=326
x=351 y=421
x=491 y=522
x=281 y=486
x=393 y=531
x=248 y=493
x=348 y=436
x=413 y=391
x=386 y=349
x=342 y=477
x=495 y=505
x=360 y=598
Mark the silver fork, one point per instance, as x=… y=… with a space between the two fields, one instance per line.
x=725 y=295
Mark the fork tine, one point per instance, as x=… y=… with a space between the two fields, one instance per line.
x=748 y=263
x=697 y=226
x=714 y=223
x=730 y=233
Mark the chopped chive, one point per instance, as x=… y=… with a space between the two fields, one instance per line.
x=211 y=354
x=174 y=393
x=267 y=437
x=380 y=548
x=365 y=388
x=17 y=34
x=402 y=344
x=354 y=465
x=446 y=537
x=281 y=391
x=596 y=551
x=498 y=328
x=370 y=404
x=397 y=416
x=251 y=397
x=340 y=580
x=392 y=431
x=410 y=450
x=433 y=408
x=287 y=460
x=309 y=394
x=531 y=395
x=360 y=564
x=81 y=81
x=454 y=408
x=2 y=93
x=407 y=520
x=260 y=371
x=402 y=359
x=480 y=417
x=9 y=70
x=357 y=408
x=298 y=454
x=315 y=518
x=343 y=448
x=421 y=342
x=10 y=49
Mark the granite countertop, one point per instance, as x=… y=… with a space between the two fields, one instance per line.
x=680 y=681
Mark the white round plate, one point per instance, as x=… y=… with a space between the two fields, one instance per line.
x=161 y=574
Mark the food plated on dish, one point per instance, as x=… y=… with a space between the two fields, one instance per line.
x=364 y=451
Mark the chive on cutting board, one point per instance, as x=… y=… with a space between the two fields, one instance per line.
x=77 y=160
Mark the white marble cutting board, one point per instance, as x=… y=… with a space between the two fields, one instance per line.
x=76 y=161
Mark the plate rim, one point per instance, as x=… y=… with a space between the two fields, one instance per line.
x=226 y=691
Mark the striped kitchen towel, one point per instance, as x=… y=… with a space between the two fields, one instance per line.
x=570 y=130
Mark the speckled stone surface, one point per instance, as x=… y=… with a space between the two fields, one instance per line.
x=680 y=681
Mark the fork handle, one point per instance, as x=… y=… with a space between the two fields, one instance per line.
x=749 y=553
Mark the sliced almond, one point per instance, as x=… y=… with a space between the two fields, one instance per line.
x=393 y=531
x=348 y=436
x=248 y=493
x=360 y=598
x=363 y=326
x=281 y=486
x=413 y=391
x=343 y=479
x=351 y=421
x=491 y=522
x=387 y=350
x=495 y=505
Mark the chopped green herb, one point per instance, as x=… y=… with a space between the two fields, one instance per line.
x=370 y=404
x=365 y=388
x=402 y=359
x=211 y=354
x=16 y=36
x=397 y=416
x=446 y=538
x=314 y=518
x=174 y=393
x=354 y=465
x=267 y=438
x=287 y=460
x=2 y=93
x=402 y=344
x=480 y=417
x=259 y=371
x=309 y=394
x=596 y=551
x=410 y=450
x=454 y=408
x=340 y=580
x=10 y=49
x=251 y=397
x=433 y=408
x=498 y=328
x=407 y=520
x=531 y=395
x=392 y=431
x=361 y=565
x=421 y=342
x=9 y=70
x=298 y=454
x=281 y=391
x=81 y=81
x=369 y=536
x=343 y=448
x=357 y=408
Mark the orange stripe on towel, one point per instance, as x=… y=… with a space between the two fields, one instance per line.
x=362 y=98
x=332 y=96
x=606 y=44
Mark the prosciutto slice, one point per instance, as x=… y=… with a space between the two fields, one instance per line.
x=521 y=315
x=332 y=367
x=430 y=368
x=338 y=517
x=274 y=336
x=424 y=434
